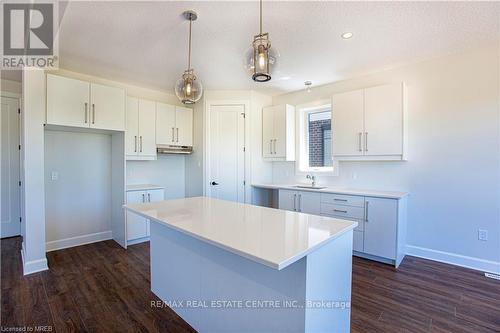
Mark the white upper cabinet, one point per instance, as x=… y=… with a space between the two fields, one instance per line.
x=165 y=124
x=107 y=107
x=140 y=134
x=67 y=101
x=369 y=124
x=77 y=103
x=347 y=115
x=278 y=133
x=174 y=125
x=184 y=123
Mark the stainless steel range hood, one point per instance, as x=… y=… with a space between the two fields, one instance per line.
x=169 y=149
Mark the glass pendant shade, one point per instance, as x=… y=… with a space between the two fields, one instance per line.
x=188 y=88
x=261 y=58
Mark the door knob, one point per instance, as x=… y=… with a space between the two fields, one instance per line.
x=214 y=183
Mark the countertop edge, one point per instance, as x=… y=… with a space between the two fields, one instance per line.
x=278 y=266
x=366 y=193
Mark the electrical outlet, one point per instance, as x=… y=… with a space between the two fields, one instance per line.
x=54 y=175
x=482 y=235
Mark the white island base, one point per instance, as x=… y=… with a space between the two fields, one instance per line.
x=215 y=290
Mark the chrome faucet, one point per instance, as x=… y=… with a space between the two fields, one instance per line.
x=313 y=179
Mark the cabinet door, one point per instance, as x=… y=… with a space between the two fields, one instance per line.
x=155 y=195
x=107 y=109
x=280 y=124
x=384 y=120
x=380 y=227
x=309 y=202
x=147 y=128
x=184 y=123
x=136 y=225
x=165 y=124
x=267 y=131
x=347 y=123
x=132 y=126
x=67 y=101
x=287 y=200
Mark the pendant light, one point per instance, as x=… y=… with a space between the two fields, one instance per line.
x=188 y=88
x=261 y=58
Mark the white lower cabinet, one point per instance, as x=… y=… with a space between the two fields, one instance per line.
x=380 y=234
x=300 y=201
x=138 y=226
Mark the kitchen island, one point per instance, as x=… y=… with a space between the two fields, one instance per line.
x=231 y=267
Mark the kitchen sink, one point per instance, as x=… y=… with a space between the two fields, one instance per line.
x=311 y=187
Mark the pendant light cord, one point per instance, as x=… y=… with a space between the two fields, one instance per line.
x=261 y=17
x=189 y=52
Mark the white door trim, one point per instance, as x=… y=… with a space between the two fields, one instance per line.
x=206 y=139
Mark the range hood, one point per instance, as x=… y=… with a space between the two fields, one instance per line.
x=170 y=149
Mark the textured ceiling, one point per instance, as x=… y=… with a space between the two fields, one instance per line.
x=146 y=42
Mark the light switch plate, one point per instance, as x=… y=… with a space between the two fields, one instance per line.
x=54 y=175
x=482 y=235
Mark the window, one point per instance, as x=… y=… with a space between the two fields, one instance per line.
x=315 y=139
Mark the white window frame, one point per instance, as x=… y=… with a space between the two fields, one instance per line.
x=302 y=140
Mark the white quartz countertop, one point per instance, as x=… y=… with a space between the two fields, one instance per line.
x=337 y=190
x=142 y=187
x=273 y=237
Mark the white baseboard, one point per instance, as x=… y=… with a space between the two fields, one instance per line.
x=454 y=259
x=78 y=240
x=33 y=266
x=137 y=241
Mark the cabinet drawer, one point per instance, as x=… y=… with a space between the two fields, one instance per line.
x=340 y=199
x=357 y=241
x=341 y=211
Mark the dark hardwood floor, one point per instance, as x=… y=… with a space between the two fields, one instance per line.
x=103 y=288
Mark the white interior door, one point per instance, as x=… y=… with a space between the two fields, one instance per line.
x=10 y=195
x=226 y=152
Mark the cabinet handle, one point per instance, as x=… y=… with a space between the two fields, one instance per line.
x=295 y=202
x=149 y=197
x=300 y=202
x=140 y=138
x=86 y=111
x=93 y=113
x=359 y=141
x=274 y=146
x=177 y=134
x=135 y=143
x=366 y=210
x=366 y=141
x=270 y=146
x=143 y=198
x=173 y=137
x=337 y=199
x=340 y=211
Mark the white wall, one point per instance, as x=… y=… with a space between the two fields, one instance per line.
x=78 y=203
x=453 y=169
x=33 y=209
x=167 y=171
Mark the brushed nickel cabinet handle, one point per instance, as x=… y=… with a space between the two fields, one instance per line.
x=274 y=146
x=366 y=210
x=295 y=202
x=340 y=211
x=366 y=141
x=271 y=146
x=149 y=197
x=177 y=134
x=140 y=138
x=135 y=143
x=300 y=202
x=337 y=199
x=359 y=141
x=93 y=113
x=173 y=135
x=143 y=198
x=86 y=112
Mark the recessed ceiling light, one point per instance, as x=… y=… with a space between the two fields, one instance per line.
x=347 y=35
